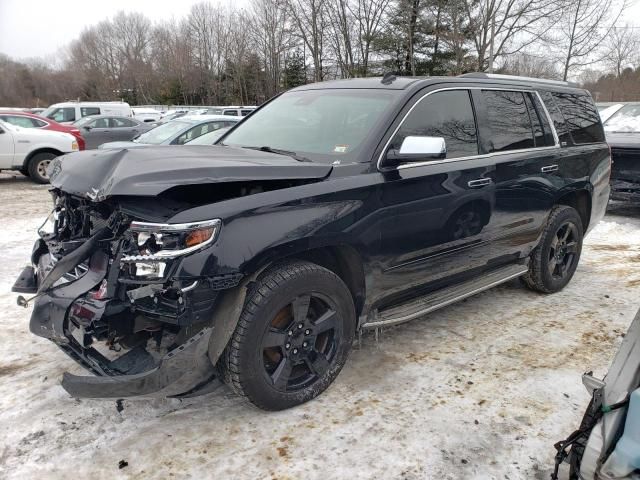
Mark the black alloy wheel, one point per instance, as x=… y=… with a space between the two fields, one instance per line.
x=554 y=261
x=293 y=336
x=301 y=342
x=563 y=251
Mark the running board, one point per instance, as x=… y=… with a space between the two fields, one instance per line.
x=441 y=298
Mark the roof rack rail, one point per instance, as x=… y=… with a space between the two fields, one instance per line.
x=497 y=76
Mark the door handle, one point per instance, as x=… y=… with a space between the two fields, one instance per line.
x=480 y=182
x=549 y=168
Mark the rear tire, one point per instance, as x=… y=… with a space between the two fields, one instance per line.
x=293 y=337
x=555 y=259
x=38 y=166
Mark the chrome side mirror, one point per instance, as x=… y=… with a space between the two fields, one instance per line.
x=418 y=149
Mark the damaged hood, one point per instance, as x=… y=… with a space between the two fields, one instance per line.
x=99 y=174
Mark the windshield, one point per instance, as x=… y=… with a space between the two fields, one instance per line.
x=323 y=125
x=162 y=133
x=60 y=114
x=627 y=119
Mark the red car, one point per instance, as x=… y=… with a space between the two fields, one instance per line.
x=29 y=120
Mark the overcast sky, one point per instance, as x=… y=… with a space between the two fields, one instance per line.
x=39 y=28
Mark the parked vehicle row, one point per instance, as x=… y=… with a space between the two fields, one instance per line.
x=335 y=207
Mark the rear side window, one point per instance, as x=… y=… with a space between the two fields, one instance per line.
x=580 y=116
x=447 y=114
x=231 y=113
x=541 y=129
x=122 y=122
x=508 y=120
x=86 y=111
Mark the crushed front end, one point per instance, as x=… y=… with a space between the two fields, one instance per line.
x=109 y=290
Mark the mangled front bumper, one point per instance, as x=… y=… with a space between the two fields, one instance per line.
x=184 y=370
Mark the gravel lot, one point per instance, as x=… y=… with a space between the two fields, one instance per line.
x=481 y=389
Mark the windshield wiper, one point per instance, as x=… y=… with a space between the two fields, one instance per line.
x=278 y=151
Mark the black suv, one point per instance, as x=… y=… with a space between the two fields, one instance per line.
x=333 y=208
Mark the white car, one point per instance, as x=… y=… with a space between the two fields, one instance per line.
x=30 y=150
x=146 y=114
x=69 y=112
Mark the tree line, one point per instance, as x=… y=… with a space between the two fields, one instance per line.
x=218 y=55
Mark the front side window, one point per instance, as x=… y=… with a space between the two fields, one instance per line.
x=581 y=117
x=86 y=111
x=61 y=114
x=322 y=125
x=99 y=123
x=508 y=121
x=446 y=114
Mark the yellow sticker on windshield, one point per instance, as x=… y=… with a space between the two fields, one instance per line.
x=340 y=148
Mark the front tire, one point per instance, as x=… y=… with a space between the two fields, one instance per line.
x=555 y=259
x=38 y=166
x=293 y=337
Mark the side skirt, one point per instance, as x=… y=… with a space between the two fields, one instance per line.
x=430 y=302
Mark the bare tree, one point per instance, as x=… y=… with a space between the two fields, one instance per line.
x=506 y=27
x=583 y=28
x=342 y=35
x=369 y=15
x=621 y=48
x=311 y=20
x=270 y=34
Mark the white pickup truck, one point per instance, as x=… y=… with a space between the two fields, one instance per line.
x=30 y=150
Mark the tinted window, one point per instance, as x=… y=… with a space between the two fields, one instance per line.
x=231 y=112
x=244 y=113
x=508 y=121
x=86 y=111
x=557 y=118
x=445 y=114
x=541 y=130
x=549 y=139
x=581 y=117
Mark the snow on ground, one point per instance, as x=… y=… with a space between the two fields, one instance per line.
x=481 y=389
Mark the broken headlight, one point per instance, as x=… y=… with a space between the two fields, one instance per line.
x=153 y=243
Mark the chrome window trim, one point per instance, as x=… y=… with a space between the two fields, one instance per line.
x=469 y=157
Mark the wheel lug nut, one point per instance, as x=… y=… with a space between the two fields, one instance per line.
x=300 y=326
x=287 y=346
x=304 y=344
x=295 y=350
x=290 y=332
x=307 y=331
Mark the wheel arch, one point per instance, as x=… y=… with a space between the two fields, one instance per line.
x=33 y=153
x=342 y=259
x=580 y=200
